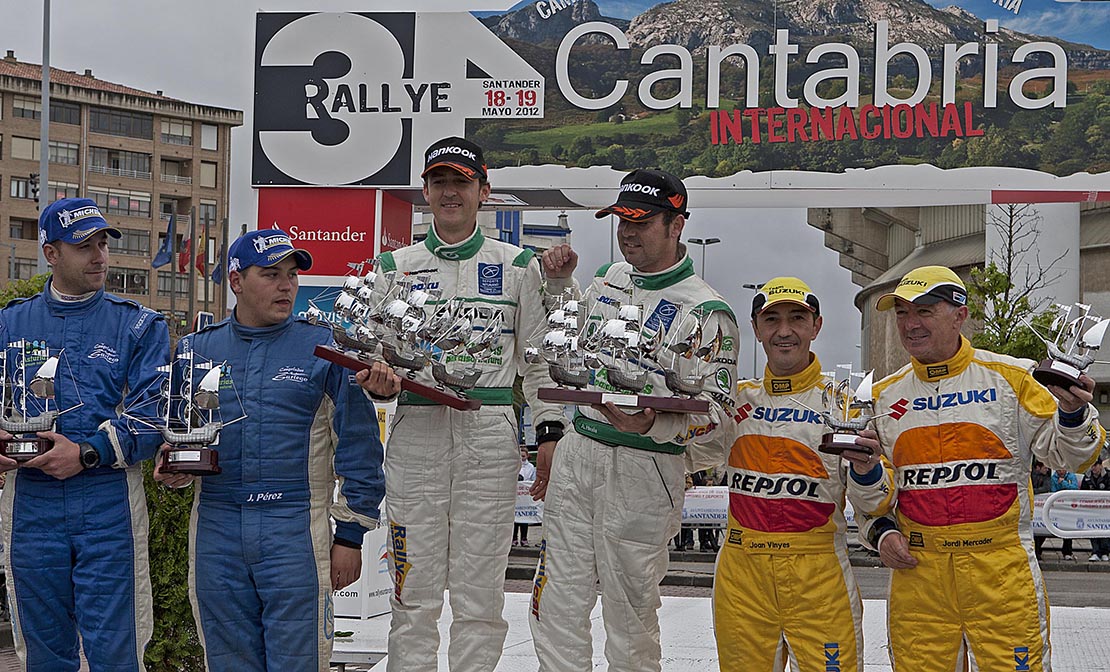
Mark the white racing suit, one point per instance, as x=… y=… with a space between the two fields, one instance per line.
x=961 y=435
x=616 y=498
x=451 y=475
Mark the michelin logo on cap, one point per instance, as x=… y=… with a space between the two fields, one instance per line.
x=263 y=244
x=69 y=217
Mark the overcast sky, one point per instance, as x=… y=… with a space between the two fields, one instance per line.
x=202 y=51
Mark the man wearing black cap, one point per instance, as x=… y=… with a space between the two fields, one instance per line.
x=960 y=427
x=264 y=559
x=451 y=475
x=75 y=518
x=617 y=482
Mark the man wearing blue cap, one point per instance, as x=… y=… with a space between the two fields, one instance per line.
x=259 y=527
x=75 y=518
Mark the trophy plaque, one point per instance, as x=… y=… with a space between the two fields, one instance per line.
x=846 y=412
x=409 y=327
x=1078 y=334
x=28 y=403
x=618 y=345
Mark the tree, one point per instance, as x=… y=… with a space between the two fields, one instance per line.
x=1002 y=296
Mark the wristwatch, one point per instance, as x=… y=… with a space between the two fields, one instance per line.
x=549 y=431
x=90 y=456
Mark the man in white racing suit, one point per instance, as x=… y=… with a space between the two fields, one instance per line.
x=617 y=480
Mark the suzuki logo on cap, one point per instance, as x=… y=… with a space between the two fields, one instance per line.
x=356 y=98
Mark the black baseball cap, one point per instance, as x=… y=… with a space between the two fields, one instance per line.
x=645 y=193
x=457 y=153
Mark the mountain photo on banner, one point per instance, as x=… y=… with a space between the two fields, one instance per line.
x=667 y=118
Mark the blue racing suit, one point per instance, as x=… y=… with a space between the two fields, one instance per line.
x=76 y=549
x=260 y=537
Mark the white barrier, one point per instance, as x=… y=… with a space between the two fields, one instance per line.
x=1073 y=514
x=527 y=511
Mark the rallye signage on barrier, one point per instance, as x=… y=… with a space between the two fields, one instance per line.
x=720 y=90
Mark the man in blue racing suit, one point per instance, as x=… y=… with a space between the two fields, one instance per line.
x=263 y=558
x=75 y=518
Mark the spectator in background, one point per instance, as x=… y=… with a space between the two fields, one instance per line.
x=1098 y=479
x=528 y=475
x=1041 y=479
x=707 y=536
x=684 y=540
x=1062 y=479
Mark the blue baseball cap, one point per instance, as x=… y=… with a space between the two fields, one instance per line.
x=265 y=248
x=72 y=220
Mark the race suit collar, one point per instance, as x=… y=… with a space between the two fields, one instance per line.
x=948 y=368
x=58 y=307
x=663 y=279
x=799 y=382
x=457 y=252
x=250 y=333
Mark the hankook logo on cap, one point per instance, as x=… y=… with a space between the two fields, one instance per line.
x=640 y=189
x=450 y=150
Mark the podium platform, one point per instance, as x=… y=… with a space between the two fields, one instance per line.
x=688 y=644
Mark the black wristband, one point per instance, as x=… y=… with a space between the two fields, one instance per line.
x=343 y=542
x=549 y=431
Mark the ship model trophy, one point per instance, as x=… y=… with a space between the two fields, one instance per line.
x=411 y=329
x=28 y=405
x=615 y=342
x=846 y=412
x=1078 y=334
x=190 y=414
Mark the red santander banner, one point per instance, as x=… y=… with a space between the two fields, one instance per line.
x=337 y=226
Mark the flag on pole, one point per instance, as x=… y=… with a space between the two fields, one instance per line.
x=165 y=252
x=183 y=255
x=218 y=270
x=202 y=250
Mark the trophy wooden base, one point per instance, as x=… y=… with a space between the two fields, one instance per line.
x=22 y=449
x=835 y=443
x=443 y=396
x=1054 y=372
x=194 y=460
x=591 y=397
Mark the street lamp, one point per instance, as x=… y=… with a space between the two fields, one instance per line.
x=704 y=242
x=755 y=287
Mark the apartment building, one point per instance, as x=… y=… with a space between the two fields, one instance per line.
x=143 y=157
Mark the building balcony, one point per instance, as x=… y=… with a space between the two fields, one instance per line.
x=120 y=172
x=177 y=179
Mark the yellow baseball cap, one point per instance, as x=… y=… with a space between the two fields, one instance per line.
x=927 y=285
x=786 y=289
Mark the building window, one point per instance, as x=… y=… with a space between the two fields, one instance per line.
x=23 y=229
x=208 y=137
x=121 y=163
x=63 y=152
x=132 y=242
x=65 y=113
x=180 y=283
x=121 y=201
x=25 y=148
x=176 y=172
x=177 y=132
x=23 y=268
x=128 y=281
x=208 y=174
x=117 y=122
x=21 y=188
x=60 y=190
x=27 y=107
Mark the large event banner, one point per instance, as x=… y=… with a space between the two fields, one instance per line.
x=976 y=100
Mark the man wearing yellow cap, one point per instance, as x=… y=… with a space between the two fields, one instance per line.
x=961 y=427
x=784 y=589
